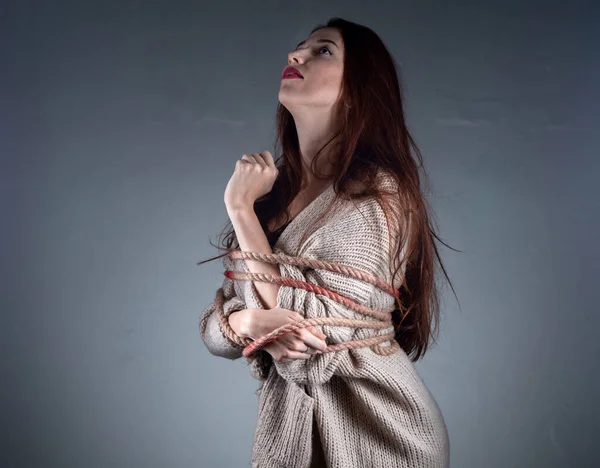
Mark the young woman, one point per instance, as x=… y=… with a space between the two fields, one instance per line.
x=346 y=190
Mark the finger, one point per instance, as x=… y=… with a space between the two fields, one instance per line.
x=268 y=157
x=259 y=159
x=277 y=348
x=296 y=355
x=312 y=340
x=318 y=333
x=295 y=317
x=248 y=158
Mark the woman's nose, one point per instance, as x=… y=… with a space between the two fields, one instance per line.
x=295 y=57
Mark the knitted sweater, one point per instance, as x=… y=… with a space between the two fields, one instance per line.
x=343 y=409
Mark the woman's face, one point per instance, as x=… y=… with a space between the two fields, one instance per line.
x=320 y=59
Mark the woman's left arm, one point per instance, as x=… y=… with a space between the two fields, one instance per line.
x=252 y=238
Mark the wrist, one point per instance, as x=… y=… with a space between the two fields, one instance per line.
x=240 y=322
x=239 y=210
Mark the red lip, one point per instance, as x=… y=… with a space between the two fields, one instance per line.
x=291 y=72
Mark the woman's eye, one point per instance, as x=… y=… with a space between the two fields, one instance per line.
x=324 y=47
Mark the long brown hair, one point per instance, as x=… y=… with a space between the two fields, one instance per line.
x=373 y=136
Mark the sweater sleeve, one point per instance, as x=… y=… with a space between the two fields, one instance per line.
x=236 y=295
x=211 y=333
x=358 y=238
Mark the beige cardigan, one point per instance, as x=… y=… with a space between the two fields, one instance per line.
x=344 y=409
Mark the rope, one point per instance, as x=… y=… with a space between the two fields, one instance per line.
x=383 y=318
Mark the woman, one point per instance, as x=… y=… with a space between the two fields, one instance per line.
x=348 y=192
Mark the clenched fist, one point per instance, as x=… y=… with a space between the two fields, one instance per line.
x=254 y=176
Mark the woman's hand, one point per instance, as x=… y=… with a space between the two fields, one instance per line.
x=253 y=177
x=291 y=345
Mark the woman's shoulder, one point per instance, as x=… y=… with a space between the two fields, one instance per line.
x=352 y=221
x=371 y=205
x=386 y=180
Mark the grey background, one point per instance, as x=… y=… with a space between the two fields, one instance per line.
x=120 y=126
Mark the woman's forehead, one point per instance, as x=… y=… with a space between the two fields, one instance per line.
x=325 y=33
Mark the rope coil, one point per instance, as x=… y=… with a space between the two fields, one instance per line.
x=383 y=318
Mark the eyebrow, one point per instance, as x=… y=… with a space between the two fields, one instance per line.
x=319 y=40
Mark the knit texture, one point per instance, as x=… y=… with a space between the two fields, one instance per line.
x=359 y=408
